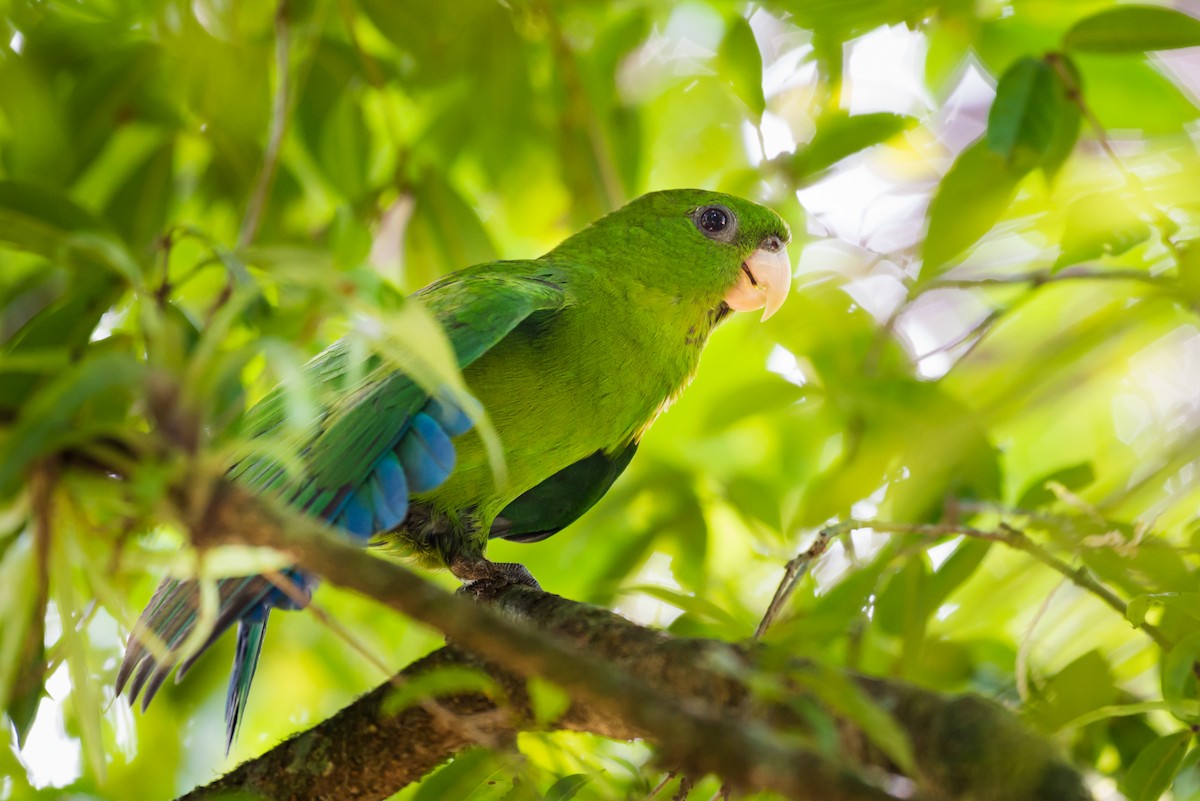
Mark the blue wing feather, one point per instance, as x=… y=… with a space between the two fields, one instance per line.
x=375 y=444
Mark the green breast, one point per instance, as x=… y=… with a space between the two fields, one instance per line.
x=565 y=385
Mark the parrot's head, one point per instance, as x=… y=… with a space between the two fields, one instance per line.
x=723 y=251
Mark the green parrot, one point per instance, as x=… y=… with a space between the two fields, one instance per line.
x=573 y=355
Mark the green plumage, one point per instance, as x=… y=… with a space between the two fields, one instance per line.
x=572 y=355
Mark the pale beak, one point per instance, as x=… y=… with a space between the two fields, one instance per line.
x=764 y=281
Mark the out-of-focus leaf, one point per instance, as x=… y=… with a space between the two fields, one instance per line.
x=848 y=699
x=46 y=420
x=139 y=208
x=903 y=607
x=955 y=571
x=968 y=202
x=439 y=682
x=1179 y=683
x=1074 y=478
x=1100 y=224
x=1084 y=685
x=343 y=146
x=1068 y=118
x=1138 y=606
x=444 y=233
x=567 y=787
x=39 y=220
x=1152 y=772
x=466 y=773
x=22 y=662
x=694 y=605
x=1022 y=118
x=840 y=135
x=1134 y=29
x=547 y=700
x=741 y=63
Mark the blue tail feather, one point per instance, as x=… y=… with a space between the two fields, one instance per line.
x=251 y=630
x=420 y=460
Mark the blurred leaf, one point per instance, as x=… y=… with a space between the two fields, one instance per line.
x=851 y=701
x=840 y=135
x=139 y=208
x=741 y=62
x=1179 y=682
x=439 y=682
x=1022 y=118
x=1134 y=29
x=22 y=660
x=1100 y=224
x=444 y=234
x=1068 y=86
x=567 y=787
x=1138 y=606
x=1083 y=686
x=1152 y=772
x=38 y=219
x=1037 y=494
x=903 y=609
x=548 y=701
x=46 y=421
x=968 y=202
x=343 y=146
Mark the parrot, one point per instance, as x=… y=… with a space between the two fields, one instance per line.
x=572 y=355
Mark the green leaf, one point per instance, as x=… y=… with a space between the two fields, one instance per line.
x=440 y=682
x=1133 y=29
x=1179 y=685
x=1068 y=119
x=840 y=135
x=1100 y=224
x=1022 y=118
x=968 y=202
x=567 y=787
x=1037 y=494
x=22 y=663
x=45 y=422
x=1152 y=772
x=741 y=63
x=1186 y=602
x=138 y=209
x=548 y=700
x=39 y=220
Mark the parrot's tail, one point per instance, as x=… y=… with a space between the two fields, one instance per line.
x=164 y=635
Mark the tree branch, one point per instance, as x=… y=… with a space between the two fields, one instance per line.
x=687 y=696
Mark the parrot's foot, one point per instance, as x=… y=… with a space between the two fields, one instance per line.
x=481 y=577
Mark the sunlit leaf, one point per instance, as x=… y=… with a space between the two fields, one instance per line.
x=968 y=202
x=1022 y=118
x=840 y=135
x=1100 y=224
x=742 y=62
x=1134 y=29
x=1155 y=767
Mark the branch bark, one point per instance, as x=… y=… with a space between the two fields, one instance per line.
x=688 y=696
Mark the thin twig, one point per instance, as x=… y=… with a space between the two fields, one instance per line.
x=795 y=570
x=1015 y=538
x=1037 y=278
x=658 y=788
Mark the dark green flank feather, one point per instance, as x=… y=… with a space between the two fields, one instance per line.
x=572 y=355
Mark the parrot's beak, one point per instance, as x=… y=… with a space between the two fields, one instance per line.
x=764 y=281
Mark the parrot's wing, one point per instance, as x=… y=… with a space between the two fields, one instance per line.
x=558 y=501
x=381 y=438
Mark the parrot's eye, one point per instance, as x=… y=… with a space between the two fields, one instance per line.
x=715 y=222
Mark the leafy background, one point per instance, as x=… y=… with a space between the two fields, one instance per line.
x=993 y=205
